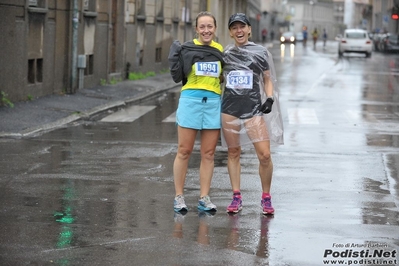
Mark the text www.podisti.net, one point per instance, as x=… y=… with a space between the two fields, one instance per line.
x=360 y=257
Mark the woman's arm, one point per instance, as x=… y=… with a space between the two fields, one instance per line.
x=268 y=84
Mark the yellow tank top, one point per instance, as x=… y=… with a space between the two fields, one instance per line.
x=205 y=75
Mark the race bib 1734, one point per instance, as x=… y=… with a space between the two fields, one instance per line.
x=209 y=69
x=240 y=79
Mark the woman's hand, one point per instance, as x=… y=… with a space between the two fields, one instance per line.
x=267 y=106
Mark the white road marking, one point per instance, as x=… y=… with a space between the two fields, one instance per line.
x=302 y=116
x=170 y=118
x=316 y=83
x=129 y=114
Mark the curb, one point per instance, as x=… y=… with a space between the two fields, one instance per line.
x=84 y=115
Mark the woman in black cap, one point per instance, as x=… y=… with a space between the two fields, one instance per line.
x=250 y=108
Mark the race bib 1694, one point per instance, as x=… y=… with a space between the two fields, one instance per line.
x=209 y=69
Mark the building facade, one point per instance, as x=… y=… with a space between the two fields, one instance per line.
x=333 y=15
x=60 y=46
x=382 y=21
x=293 y=15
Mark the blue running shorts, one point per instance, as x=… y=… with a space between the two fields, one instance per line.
x=199 y=112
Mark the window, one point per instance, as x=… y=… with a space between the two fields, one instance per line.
x=292 y=10
x=89 y=5
x=141 y=57
x=158 y=54
x=35 y=70
x=85 y=5
x=37 y=3
x=356 y=35
x=89 y=70
x=35 y=47
x=32 y=3
x=140 y=6
x=39 y=70
x=31 y=71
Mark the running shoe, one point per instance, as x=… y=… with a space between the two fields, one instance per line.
x=205 y=204
x=235 y=206
x=267 y=207
x=179 y=205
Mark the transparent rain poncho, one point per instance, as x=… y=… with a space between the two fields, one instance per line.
x=244 y=96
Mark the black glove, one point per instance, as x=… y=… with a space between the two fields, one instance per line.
x=267 y=106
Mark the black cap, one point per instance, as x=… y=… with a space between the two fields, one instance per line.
x=240 y=17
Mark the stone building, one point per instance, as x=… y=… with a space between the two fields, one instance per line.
x=382 y=22
x=58 y=46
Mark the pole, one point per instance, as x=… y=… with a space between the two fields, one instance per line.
x=75 y=22
x=185 y=20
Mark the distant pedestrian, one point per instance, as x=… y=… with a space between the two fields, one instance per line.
x=305 y=35
x=264 y=35
x=272 y=35
x=324 y=37
x=315 y=36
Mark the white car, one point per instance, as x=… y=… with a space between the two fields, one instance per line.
x=355 y=41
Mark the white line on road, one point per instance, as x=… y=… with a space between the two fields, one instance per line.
x=170 y=118
x=129 y=114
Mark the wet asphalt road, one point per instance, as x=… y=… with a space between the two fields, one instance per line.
x=101 y=193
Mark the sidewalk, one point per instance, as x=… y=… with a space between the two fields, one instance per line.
x=49 y=112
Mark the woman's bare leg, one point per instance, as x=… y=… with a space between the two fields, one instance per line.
x=186 y=139
x=209 y=139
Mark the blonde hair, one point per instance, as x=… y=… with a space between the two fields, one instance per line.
x=203 y=14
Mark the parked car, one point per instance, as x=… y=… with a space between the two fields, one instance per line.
x=390 y=43
x=288 y=37
x=299 y=37
x=355 y=41
x=377 y=38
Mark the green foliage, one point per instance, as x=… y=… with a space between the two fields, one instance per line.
x=136 y=76
x=132 y=76
x=4 y=100
x=30 y=97
x=140 y=75
x=114 y=81
x=165 y=70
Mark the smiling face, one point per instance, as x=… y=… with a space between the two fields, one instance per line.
x=205 y=29
x=240 y=33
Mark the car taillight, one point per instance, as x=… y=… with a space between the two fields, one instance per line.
x=368 y=42
x=343 y=41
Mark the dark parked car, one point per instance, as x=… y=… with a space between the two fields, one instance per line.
x=288 y=37
x=377 y=38
x=390 y=43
